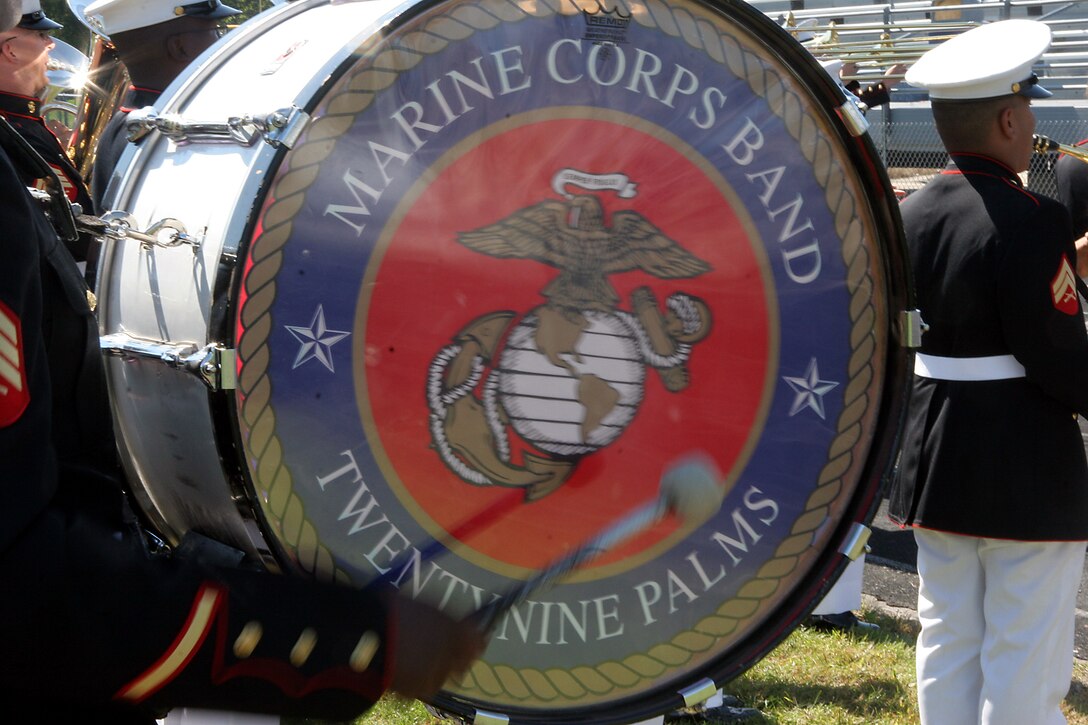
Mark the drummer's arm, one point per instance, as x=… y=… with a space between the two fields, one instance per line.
x=295 y=647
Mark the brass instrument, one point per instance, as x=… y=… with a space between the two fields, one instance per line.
x=1043 y=145
x=105 y=83
x=108 y=81
x=66 y=72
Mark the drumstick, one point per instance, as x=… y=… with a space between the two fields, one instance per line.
x=690 y=489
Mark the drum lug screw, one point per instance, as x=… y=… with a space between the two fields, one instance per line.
x=911 y=328
x=856 y=542
x=213 y=363
x=698 y=692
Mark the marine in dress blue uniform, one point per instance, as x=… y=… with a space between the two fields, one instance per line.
x=88 y=620
x=992 y=473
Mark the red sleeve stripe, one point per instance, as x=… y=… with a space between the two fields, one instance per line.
x=181 y=652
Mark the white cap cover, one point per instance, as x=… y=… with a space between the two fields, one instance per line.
x=985 y=62
x=34 y=18
x=107 y=17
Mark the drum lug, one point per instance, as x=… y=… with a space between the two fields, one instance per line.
x=699 y=692
x=213 y=364
x=483 y=717
x=857 y=541
x=280 y=129
x=911 y=327
x=284 y=126
x=853 y=118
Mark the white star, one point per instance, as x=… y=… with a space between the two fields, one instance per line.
x=810 y=390
x=317 y=339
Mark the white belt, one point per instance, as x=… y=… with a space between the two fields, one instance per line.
x=993 y=367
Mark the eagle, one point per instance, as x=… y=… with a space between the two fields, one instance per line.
x=572 y=237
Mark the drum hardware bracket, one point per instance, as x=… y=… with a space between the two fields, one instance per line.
x=122 y=225
x=280 y=128
x=853 y=118
x=698 y=692
x=856 y=542
x=483 y=717
x=213 y=363
x=911 y=328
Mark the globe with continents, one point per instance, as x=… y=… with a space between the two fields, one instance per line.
x=571 y=380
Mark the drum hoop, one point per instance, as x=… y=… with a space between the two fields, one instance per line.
x=702 y=30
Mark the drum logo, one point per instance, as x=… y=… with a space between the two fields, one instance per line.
x=570 y=377
x=606 y=27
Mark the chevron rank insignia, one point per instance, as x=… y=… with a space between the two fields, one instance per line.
x=1063 y=289
x=14 y=395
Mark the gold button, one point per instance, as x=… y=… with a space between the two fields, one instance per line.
x=247 y=640
x=364 y=651
x=307 y=640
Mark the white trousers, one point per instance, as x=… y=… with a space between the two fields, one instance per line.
x=997 y=618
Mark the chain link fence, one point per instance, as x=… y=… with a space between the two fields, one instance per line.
x=912 y=153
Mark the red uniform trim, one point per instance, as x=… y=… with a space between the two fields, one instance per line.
x=181 y=652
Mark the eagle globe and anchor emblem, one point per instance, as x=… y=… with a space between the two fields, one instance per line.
x=569 y=376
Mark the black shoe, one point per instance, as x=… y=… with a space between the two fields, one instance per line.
x=841 y=622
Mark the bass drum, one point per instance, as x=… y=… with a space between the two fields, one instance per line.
x=423 y=295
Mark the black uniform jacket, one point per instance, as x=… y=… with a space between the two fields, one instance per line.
x=24 y=114
x=993 y=266
x=114 y=139
x=93 y=628
x=1071 y=175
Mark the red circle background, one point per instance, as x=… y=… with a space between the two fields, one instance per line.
x=429 y=287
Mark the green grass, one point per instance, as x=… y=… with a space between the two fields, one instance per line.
x=824 y=678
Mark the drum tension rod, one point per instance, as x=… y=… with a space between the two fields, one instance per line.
x=213 y=364
x=280 y=128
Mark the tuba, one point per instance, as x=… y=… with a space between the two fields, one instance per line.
x=67 y=75
x=103 y=87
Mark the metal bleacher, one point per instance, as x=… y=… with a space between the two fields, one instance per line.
x=879 y=36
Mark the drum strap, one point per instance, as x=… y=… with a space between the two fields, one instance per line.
x=992 y=367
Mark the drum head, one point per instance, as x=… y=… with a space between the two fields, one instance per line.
x=526 y=256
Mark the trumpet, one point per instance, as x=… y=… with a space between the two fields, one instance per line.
x=1043 y=145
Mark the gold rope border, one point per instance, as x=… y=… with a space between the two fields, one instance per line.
x=284 y=508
